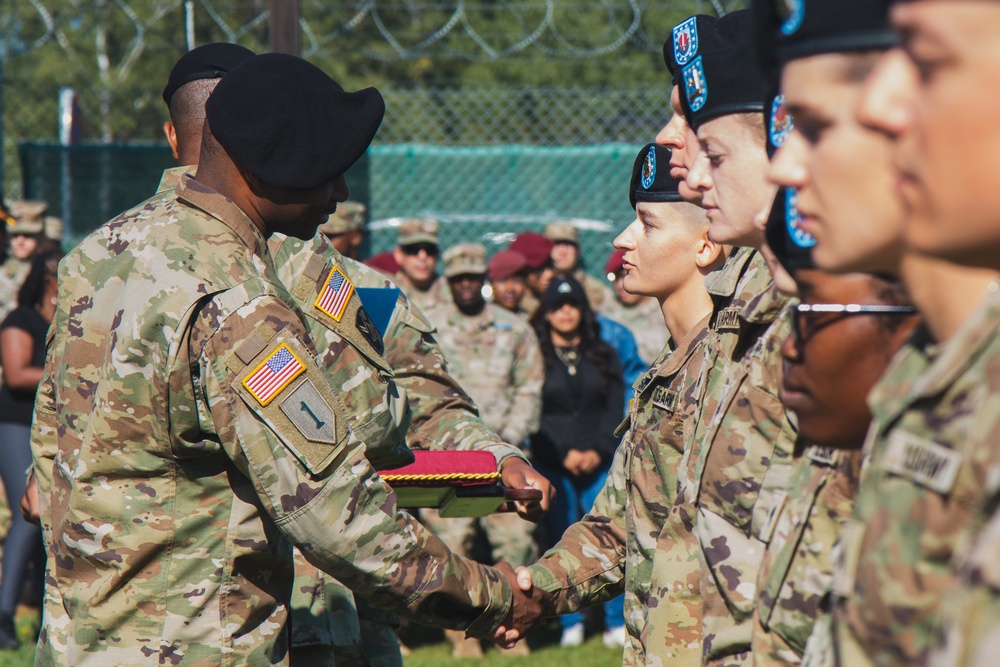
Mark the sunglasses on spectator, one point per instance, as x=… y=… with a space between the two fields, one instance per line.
x=809 y=318
x=414 y=249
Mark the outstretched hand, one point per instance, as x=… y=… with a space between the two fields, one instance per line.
x=518 y=474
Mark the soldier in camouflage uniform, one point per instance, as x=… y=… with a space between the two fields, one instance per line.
x=537 y=251
x=741 y=454
x=25 y=235
x=638 y=511
x=346 y=228
x=324 y=612
x=640 y=314
x=237 y=436
x=495 y=356
x=417 y=252
x=565 y=239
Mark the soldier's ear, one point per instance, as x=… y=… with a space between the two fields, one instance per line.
x=708 y=254
x=171 y=133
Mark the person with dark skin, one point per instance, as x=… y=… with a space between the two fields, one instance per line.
x=506 y=272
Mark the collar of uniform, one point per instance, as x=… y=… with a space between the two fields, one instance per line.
x=171 y=178
x=683 y=351
x=754 y=282
x=223 y=209
x=954 y=357
x=767 y=306
x=892 y=393
x=723 y=281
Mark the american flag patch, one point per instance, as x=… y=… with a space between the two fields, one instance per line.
x=274 y=374
x=335 y=294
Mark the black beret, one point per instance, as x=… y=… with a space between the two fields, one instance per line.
x=789 y=29
x=725 y=76
x=651 y=179
x=289 y=123
x=209 y=61
x=791 y=244
x=686 y=38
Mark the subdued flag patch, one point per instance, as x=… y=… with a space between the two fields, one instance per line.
x=335 y=294
x=274 y=374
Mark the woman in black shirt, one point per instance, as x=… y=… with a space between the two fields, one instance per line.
x=581 y=407
x=22 y=353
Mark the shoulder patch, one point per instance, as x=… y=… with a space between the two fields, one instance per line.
x=368 y=329
x=695 y=85
x=925 y=462
x=273 y=374
x=306 y=408
x=336 y=292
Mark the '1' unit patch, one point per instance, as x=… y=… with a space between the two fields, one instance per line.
x=335 y=294
x=274 y=374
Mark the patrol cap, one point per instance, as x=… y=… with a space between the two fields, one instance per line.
x=505 y=264
x=790 y=29
x=349 y=216
x=208 y=61
x=465 y=259
x=616 y=262
x=418 y=230
x=28 y=217
x=563 y=290
x=651 y=179
x=791 y=244
x=562 y=232
x=289 y=123
x=53 y=228
x=535 y=248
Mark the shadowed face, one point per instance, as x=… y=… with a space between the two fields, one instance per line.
x=508 y=292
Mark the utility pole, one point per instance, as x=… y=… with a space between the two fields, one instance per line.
x=283 y=26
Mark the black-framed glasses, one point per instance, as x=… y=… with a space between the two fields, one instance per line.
x=415 y=248
x=809 y=318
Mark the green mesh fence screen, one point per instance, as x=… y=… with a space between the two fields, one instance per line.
x=484 y=194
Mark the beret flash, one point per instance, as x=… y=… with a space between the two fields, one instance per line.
x=651 y=179
x=791 y=244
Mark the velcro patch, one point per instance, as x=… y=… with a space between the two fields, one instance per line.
x=729 y=318
x=306 y=408
x=923 y=461
x=335 y=294
x=665 y=399
x=823 y=455
x=273 y=374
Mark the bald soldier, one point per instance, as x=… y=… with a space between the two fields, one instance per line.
x=439 y=413
x=210 y=425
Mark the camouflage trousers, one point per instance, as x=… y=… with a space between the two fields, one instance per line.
x=511 y=538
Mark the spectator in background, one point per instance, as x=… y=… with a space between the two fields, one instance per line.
x=581 y=407
x=417 y=252
x=566 y=261
x=641 y=314
x=506 y=271
x=26 y=236
x=537 y=252
x=495 y=357
x=346 y=228
x=8 y=288
x=22 y=352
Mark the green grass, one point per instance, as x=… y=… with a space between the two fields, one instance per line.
x=429 y=649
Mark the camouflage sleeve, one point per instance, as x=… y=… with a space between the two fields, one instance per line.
x=587 y=566
x=290 y=439
x=443 y=415
x=44 y=445
x=525 y=412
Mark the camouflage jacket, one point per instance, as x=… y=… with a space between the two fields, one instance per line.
x=496 y=358
x=184 y=435
x=746 y=442
x=931 y=450
x=437 y=294
x=612 y=548
x=797 y=569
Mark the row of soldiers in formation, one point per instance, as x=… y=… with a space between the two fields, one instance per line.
x=204 y=401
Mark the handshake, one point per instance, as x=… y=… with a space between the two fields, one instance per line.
x=529 y=607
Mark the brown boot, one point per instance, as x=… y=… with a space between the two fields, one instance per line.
x=462 y=647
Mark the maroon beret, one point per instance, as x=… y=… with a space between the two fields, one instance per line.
x=505 y=264
x=534 y=247
x=384 y=262
x=615 y=262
